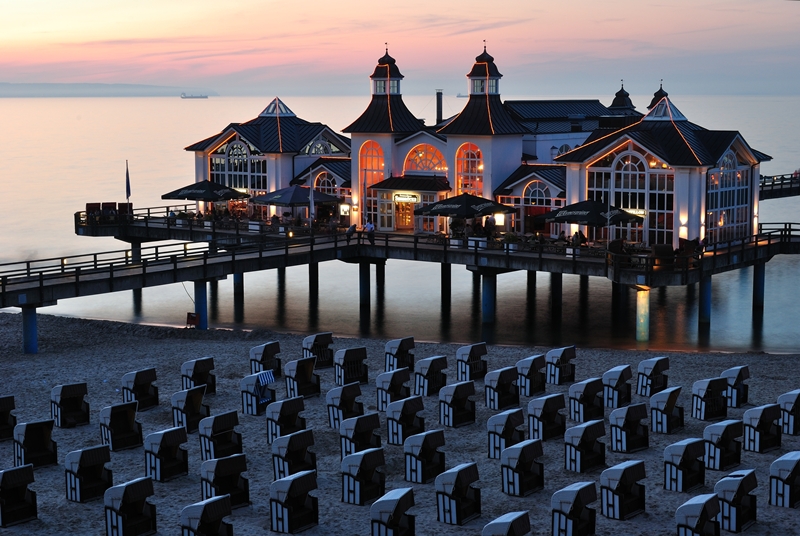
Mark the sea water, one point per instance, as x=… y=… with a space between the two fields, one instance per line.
x=58 y=154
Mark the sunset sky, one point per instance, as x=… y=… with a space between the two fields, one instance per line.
x=259 y=47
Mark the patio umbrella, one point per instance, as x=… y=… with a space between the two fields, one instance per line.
x=463 y=206
x=593 y=213
x=205 y=191
x=294 y=196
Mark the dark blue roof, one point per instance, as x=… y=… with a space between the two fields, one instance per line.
x=555 y=174
x=386 y=68
x=340 y=167
x=484 y=67
x=483 y=115
x=386 y=114
x=540 y=110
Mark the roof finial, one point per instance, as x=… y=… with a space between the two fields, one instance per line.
x=661 y=84
x=622 y=83
x=484 y=45
x=387 y=46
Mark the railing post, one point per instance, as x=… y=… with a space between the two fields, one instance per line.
x=416 y=243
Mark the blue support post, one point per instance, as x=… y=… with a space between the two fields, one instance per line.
x=489 y=297
x=363 y=283
x=201 y=303
x=30 y=337
x=759 y=276
x=704 y=313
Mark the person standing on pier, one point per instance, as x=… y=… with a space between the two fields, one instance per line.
x=370 y=229
x=349 y=233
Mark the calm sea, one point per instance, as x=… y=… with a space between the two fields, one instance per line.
x=58 y=154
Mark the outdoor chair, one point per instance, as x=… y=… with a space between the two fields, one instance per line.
x=499 y=389
x=67 y=405
x=362 y=479
x=456 y=409
x=457 y=500
x=504 y=429
x=257 y=393
x=291 y=454
x=558 y=367
x=583 y=450
x=119 y=428
x=218 y=437
x=586 y=400
x=389 y=514
x=300 y=378
x=399 y=354
x=708 y=399
x=7 y=420
x=684 y=470
x=520 y=472
x=292 y=508
x=319 y=346
x=349 y=366
x=223 y=476
x=722 y=450
x=790 y=412
x=17 y=502
x=359 y=433
x=283 y=417
x=663 y=256
x=265 y=357
x=403 y=420
x=650 y=376
x=391 y=386
x=199 y=372
x=530 y=378
x=430 y=375
x=737 y=506
x=616 y=389
x=545 y=421
x=621 y=495
x=628 y=434
x=205 y=518
x=665 y=416
x=86 y=475
x=784 y=481
x=164 y=457
x=762 y=428
x=698 y=516
x=469 y=364
x=571 y=515
x=737 y=392
x=32 y=444
x=138 y=386
x=341 y=402
x=510 y=524
x=128 y=513
x=188 y=408
x=424 y=460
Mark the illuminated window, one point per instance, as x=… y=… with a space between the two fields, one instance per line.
x=728 y=200
x=370 y=163
x=326 y=184
x=425 y=157
x=469 y=170
x=537 y=193
x=238 y=164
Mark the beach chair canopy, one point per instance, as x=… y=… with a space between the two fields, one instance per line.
x=508 y=419
x=431 y=364
x=350 y=354
x=546 y=404
x=358 y=425
x=386 y=380
x=736 y=375
x=534 y=362
x=686 y=449
x=712 y=386
x=293 y=485
x=168 y=437
x=617 y=376
x=697 y=510
x=87 y=457
x=218 y=423
x=430 y=440
x=588 y=431
x=396 y=346
x=407 y=406
x=574 y=497
x=634 y=413
x=656 y=365
x=623 y=474
x=127 y=408
x=560 y=355
x=139 y=377
x=200 y=365
x=134 y=490
x=287 y=406
x=522 y=452
x=318 y=339
x=229 y=465
x=212 y=509
x=70 y=390
x=458 y=478
x=471 y=352
x=192 y=398
x=366 y=459
x=665 y=400
x=304 y=365
x=503 y=376
x=736 y=485
x=392 y=505
x=16 y=477
x=787 y=401
x=282 y=445
x=768 y=413
x=510 y=524
x=265 y=351
x=350 y=391
x=723 y=431
x=786 y=466
x=586 y=389
x=457 y=391
x=21 y=430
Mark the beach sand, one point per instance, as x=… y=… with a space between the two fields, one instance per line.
x=100 y=353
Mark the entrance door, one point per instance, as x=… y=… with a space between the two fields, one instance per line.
x=404 y=212
x=385 y=212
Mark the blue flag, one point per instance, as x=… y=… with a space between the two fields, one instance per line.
x=127 y=182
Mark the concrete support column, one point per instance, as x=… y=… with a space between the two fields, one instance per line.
x=201 y=303
x=704 y=313
x=313 y=278
x=447 y=280
x=759 y=276
x=363 y=283
x=30 y=330
x=531 y=281
x=238 y=297
x=489 y=297
x=642 y=314
x=556 y=286
x=136 y=252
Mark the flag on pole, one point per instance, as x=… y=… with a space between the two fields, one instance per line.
x=311 y=208
x=127 y=183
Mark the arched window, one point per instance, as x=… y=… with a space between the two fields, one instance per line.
x=728 y=200
x=326 y=184
x=564 y=149
x=370 y=163
x=469 y=170
x=537 y=193
x=425 y=157
x=237 y=165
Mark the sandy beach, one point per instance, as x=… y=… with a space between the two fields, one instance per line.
x=100 y=353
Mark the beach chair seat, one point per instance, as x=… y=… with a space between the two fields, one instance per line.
x=205 y=518
x=137 y=386
x=499 y=389
x=223 y=476
x=218 y=437
x=197 y=372
x=32 y=444
x=164 y=456
x=583 y=450
x=257 y=393
x=458 y=500
x=650 y=376
x=571 y=515
x=558 y=367
x=586 y=400
x=389 y=514
x=291 y=454
x=67 y=405
x=665 y=416
x=722 y=450
x=119 y=428
x=403 y=419
x=530 y=378
x=456 y=408
x=545 y=421
x=363 y=481
x=319 y=346
x=391 y=386
x=127 y=511
x=430 y=375
x=342 y=404
x=300 y=378
x=359 y=433
x=737 y=506
x=628 y=434
x=504 y=430
x=762 y=428
x=292 y=507
x=622 y=497
x=784 y=481
x=708 y=399
x=17 y=502
x=510 y=524
x=399 y=353
x=424 y=460
x=698 y=516
x=737 y=391
x=684 y=470
x=86 y=475
x=265 y=357
x=616 y=389
x=188 y=408
x=790 y=412
x=349 y=366
x=283 y=417
x=521 y=473
x=469 y=364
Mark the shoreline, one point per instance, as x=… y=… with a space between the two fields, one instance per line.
x=99 y=352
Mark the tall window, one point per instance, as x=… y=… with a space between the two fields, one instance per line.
x=370 y=162
x=238 y=164
x=425 y=157
x=728 y=200
x=326 y=184
x=469 y=170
